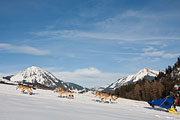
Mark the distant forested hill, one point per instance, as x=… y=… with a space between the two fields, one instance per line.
x=150 y=90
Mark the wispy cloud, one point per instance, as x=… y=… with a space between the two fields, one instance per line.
x=150 y=48
x=161 y=43
x=97 y=35
x=130 y=25
x=151 y=51
x=89 y=77
x=142 y=25
x=22 y=49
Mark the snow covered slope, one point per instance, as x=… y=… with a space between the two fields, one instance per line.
x=5 y=81
x=46 y=105
x=37 y=75
x=144 y=73
x=98 y=88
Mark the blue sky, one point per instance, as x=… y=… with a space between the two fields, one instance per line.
x=89 y=42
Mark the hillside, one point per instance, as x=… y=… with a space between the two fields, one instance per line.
x=42 y=79
x=155 y=89
x=144 y=73
x=46 y=105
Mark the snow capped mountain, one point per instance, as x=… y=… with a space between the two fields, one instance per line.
x=36 y=75
x=144 y=73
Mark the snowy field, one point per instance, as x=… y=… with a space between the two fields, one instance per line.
x=46 y=105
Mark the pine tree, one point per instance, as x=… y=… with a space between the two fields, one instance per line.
x=137 y=95
x=156 y=89
x=168 y=70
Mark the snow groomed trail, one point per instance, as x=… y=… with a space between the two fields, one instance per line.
x=46 y=105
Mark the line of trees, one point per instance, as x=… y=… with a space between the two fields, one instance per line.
x=150 y=90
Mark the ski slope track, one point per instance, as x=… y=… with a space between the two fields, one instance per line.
x=46 y=105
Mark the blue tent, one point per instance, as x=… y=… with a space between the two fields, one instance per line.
x=165 y=103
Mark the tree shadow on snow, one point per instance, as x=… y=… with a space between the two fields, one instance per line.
x=99 y=101
x=31 y=94
x=62 y=97
x=65 y=97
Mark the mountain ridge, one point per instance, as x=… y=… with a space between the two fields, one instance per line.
x=37 y=76
x=143 y=73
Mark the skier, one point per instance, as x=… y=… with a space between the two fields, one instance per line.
x=168 y=101
x=177 y=87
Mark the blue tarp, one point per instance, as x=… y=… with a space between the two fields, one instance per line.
x=165 y=103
